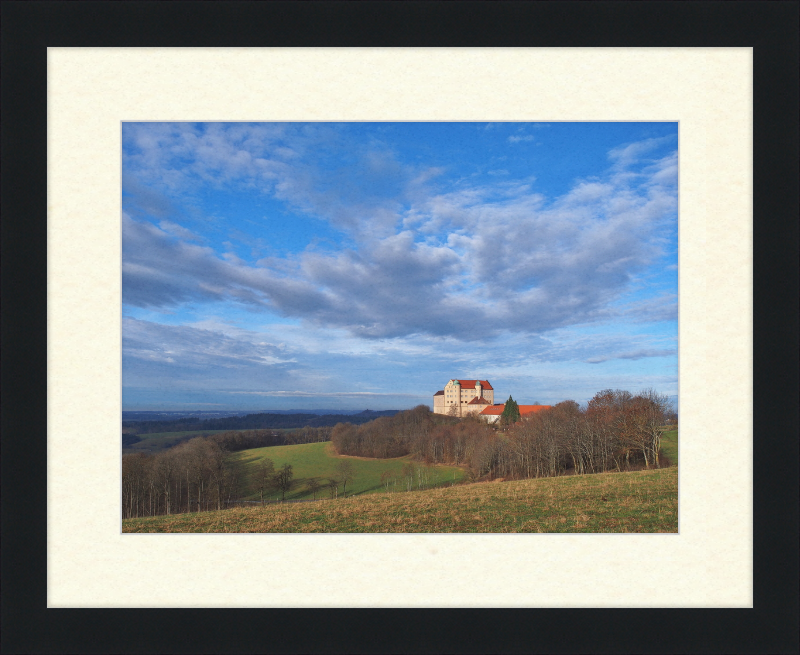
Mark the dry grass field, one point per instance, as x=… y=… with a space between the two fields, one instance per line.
x=638 y=501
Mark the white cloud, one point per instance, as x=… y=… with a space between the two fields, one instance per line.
x=178 y=231
x=663 y=307
x=467 y=263
x=635 y=354
x=629 y=154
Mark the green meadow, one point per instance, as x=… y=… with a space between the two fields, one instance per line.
x=669 y=446
x=318 y=460
x=637 y=501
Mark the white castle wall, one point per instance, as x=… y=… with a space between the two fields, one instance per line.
x=455 y=399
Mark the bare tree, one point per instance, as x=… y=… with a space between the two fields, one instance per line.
x=653 y=408
x=314 y=486
x=408 y=475
x=165 y=470
x=284 y=479
x=386 y=478
x=134 y=483
x=344 y=438
x=346 y=472
x=265 y=476
x=219 y=471
x=333 y=487
x=197 y=454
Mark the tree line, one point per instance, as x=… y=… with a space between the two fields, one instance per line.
x=234 y=441
x=199 y=475
x=616 y=430
x=248 y=422
x=244 y=439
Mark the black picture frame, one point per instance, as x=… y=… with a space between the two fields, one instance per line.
x=28 y=28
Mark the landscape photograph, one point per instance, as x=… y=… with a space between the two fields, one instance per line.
x=399 y=327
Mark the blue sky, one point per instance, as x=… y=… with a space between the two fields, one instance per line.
x=362 y=265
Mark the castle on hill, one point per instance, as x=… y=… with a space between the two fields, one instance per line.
x=466 y=397
x=463 y=397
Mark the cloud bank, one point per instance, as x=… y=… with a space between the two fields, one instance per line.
x=466 y=262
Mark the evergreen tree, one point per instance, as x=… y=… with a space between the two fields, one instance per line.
x=510 y=412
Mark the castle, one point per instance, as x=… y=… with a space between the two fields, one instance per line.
x=463 y=397
x=466 y=397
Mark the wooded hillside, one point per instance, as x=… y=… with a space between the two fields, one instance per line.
x=251 y=422
x=615 y=431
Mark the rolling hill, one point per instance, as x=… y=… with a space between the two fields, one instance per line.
x=318 y=460
x=638 y=501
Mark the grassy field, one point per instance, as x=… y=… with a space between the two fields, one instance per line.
x=669 y=446
x=639 y=501
x=319 y=460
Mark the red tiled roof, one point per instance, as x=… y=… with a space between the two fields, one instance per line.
x=478 y=400
x=531 y=409
x=496 y=410
x=439 y=393
x=470 y=384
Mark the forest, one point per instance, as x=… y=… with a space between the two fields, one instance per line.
x=197 y=474
x=615 y=431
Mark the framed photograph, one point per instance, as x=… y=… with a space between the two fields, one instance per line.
x=293 y=295
x=112 y=112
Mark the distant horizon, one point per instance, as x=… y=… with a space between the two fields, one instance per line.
x=316 y=409
x=365 y=264
x=261 y=410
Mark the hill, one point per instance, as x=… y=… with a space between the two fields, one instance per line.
x=638 y=501
x=251 y=422
x=159 y=441
x=318 y=460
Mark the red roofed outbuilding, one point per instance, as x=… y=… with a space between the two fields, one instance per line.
x=492 y=414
